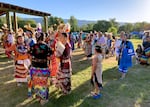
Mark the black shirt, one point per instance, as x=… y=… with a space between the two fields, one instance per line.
x=39 y=53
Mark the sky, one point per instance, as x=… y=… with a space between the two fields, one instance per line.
x=121 y=10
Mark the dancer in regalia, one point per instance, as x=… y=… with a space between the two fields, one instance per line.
x=53 y=62
x=39 y=71
x=7 y=39
x=64 y=73
x=21 y=59
x=126 y=52
x=30 y=33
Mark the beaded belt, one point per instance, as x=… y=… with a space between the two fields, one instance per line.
x=39 y=60
x=66 y=60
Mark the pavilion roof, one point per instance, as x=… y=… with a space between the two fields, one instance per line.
x=4 y=7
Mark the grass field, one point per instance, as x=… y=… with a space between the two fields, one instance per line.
x=133 y=91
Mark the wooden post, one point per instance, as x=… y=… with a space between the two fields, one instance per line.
x=45 y=24
x=15 y=23
x=8 y=20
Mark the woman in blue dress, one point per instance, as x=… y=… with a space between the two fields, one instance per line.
x=126 y=52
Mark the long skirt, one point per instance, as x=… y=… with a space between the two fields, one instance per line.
x=21 y=72
x=7 y=45
x=53 y=66
x=54 y=63
x=96 y=80
x=88 y=49
x=64 y=80
x=38 y=83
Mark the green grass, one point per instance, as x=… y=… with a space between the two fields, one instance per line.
x=133 y=91
x=136 y=42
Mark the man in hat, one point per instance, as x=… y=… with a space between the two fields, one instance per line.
x=30 y=34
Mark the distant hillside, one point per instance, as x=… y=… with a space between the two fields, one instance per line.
x=37 y=20
x=80 y=22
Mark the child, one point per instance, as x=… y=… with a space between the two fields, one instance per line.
x=22 y=60
x=139 y=52
x=96 y=77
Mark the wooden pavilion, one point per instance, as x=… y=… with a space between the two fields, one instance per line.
x=7 y=8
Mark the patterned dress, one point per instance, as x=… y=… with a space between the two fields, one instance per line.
x=53 y=62
x=8 y=41
x=39 y=71
x=88 y=47
x=64 y=73
x=22 y=62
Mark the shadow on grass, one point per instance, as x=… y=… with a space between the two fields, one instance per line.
x=6 y=69
x=4 y=58
x=80 y=62
x=57 y=100
x=79 y=95
x=133 y=91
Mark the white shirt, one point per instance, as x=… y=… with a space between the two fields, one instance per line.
x=10 y=38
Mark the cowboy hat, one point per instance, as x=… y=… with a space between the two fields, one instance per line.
x=4 y=27
x=29 y=28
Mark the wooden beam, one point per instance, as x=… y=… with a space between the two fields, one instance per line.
x=18 y=9
x=2 y=13
x=15 y=23
x=8 y=20
x=45 y=24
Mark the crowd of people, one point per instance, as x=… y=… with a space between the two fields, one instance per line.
x=88 y=41
x=39 y=59
x=43 y=57
x=143 y=50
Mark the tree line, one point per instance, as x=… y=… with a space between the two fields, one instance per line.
x=101 y=25
x=21 y=22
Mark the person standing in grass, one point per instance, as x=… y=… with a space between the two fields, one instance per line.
x=39 y=71
x=102 y=40
x=126 y=51
x=21 y=59
x=80 y=40
x=88 y=46
x=64 y=73
x=96 y=76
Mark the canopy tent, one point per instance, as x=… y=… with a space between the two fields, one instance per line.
x=134 y=33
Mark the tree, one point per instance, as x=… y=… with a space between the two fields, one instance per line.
x=87 y=27
x=54 y=22
x=141 y=26
x=83 y=28
x=2 y=21
x=73 y=23
x=112 y=30
x=121 y=28
x=90 y=26
x=137 y=27
x=147 y=26
x=22 y=22
x=128 y=27
x=102 y=26
x=114 y=23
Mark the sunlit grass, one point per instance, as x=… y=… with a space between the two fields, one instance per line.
x=133 y=91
